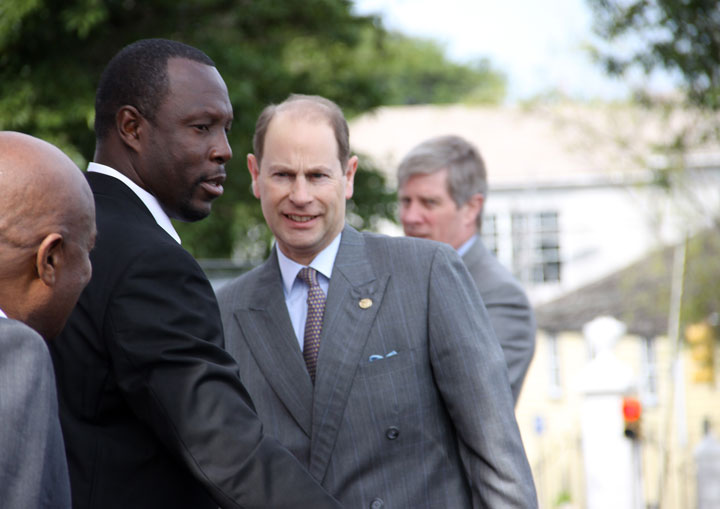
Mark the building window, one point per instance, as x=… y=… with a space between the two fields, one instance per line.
x=490 y=233
x=648 y=370
x=553 y=366
x=536 y=246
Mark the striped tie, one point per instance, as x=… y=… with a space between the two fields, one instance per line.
x=313 y=324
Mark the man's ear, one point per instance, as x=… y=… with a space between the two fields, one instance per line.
x=48 y=258
x=254 y=170
x=474 y=207
x=130 y=124
x=350 y=176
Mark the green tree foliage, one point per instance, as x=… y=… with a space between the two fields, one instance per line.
x=53 y=51
x=681 y=36
x=416 y=71
x=406 y=70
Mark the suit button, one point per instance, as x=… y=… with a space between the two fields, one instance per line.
x=377 y=503
x=392 y=433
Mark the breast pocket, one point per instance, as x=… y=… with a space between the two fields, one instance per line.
x=388 y=386
x=377 y=364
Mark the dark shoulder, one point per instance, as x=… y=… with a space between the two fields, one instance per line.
x=124 y=223
x=127 y=233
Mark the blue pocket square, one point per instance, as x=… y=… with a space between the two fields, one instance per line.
x=377 y=357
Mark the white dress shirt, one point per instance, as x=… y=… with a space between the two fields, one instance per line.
x=296 y=291
x=161 y=218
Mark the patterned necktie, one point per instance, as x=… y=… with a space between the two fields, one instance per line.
x=313 y=324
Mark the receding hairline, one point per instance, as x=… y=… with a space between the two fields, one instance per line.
x=313 y=108
x=302 y=109
x=305 y=108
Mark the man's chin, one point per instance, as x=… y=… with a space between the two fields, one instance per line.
x=190 y=214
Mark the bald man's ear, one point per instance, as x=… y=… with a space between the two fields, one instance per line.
x=130 y=123
x=48 y=258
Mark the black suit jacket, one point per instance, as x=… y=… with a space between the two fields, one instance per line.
x=152 y=407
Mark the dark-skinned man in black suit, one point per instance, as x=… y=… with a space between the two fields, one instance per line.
x=152 y=407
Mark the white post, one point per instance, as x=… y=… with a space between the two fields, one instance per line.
x=707 y=461
x=611 y=459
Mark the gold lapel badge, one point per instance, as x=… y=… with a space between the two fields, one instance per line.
x=365 y=303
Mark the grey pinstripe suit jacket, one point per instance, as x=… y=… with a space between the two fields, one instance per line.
x=510 y=313
x=429 y=422
x=33 y=468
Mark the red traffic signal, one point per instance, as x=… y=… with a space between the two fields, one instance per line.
x=632 y=411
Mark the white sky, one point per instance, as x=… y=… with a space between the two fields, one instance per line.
x=538 y=44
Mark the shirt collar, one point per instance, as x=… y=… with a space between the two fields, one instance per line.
x=2 y=314
x=152 y=204
x=323 y=263
x=467 y=245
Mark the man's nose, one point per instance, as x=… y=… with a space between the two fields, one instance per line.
x=410 y=213
x=221 y=151
x=299 y=193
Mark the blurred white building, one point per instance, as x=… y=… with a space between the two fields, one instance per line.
x=574 y=192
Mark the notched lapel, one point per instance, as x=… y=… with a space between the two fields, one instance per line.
x=354 y=298
x=270 y=336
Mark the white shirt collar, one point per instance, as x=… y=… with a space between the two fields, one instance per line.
x=161 y=218
x=2 y=314
x=467 y=245
x=323 y=263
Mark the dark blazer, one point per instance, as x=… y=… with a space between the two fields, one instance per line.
x=411 y=407
x=152 y=408
x=510 y=313
x=33 y=468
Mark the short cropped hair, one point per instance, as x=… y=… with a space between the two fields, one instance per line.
x=313 y=106
x=137 y=76
x=466 y=174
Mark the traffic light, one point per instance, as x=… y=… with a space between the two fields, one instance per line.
x=701 y=339
x=632 y=410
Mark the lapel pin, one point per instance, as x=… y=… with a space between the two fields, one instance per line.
x=365 y=303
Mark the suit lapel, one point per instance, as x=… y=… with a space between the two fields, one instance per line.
x=354 y=298
x=270 y=336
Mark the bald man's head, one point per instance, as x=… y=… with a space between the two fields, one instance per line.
x=47 y=228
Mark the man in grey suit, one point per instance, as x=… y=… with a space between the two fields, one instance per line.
x=371 y=358
x=442 y=187
x=47 y=228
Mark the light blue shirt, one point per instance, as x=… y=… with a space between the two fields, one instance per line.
x=152 y=204
x=296 y=291
x=468 y=244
